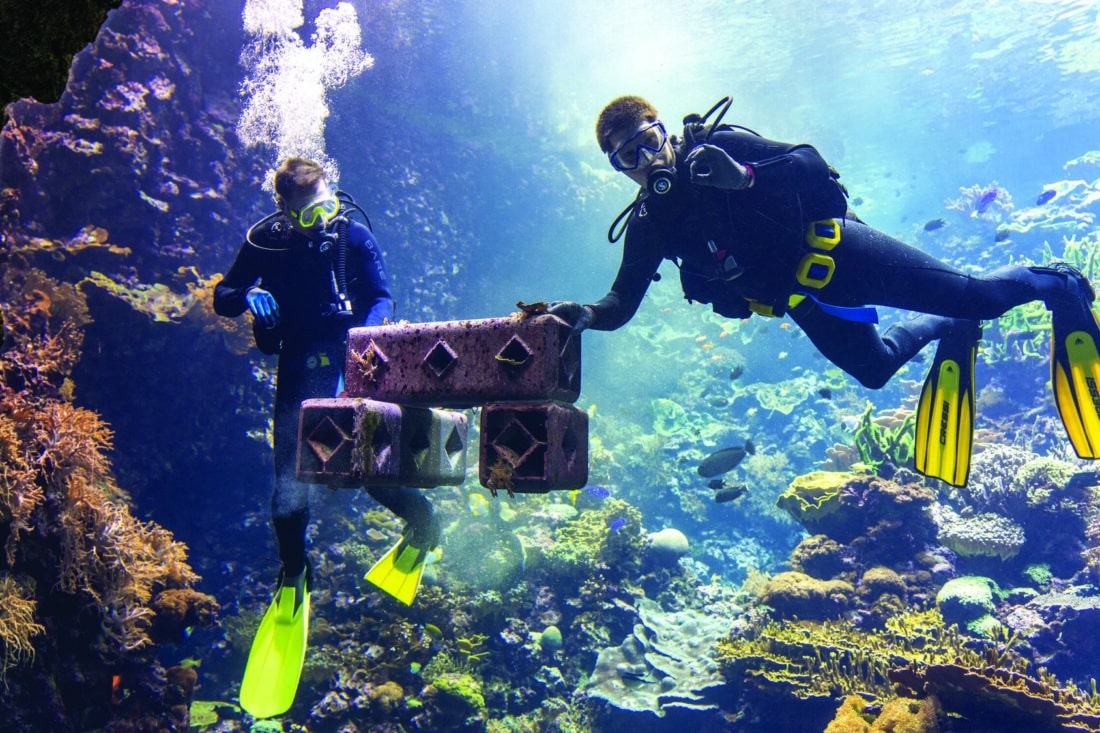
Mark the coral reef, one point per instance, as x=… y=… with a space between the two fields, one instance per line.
x=90 y=591
x=900 y=715
x=887 y=518
x=819 y=556
x=1003 y=699
x=987 y=535
x=796 y=595
x=664 y=664
x=598 y=538
x=969 y=602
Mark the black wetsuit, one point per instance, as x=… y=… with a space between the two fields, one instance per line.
x=311 y=342
x=764 y=227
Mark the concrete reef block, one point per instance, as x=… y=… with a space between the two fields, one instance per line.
x=533 y=448
x=352 y=442
x=465 y=363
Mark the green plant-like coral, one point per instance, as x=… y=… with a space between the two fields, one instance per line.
x=1023 y=332
x=883 y=443
x=461 y=689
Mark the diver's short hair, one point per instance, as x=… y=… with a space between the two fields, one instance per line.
x=297 y=176
x=622 y=113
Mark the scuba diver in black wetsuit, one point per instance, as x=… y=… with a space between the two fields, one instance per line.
x=307 y=273
x=759 y=226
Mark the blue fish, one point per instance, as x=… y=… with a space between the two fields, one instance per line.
x=616 y=524
x=600 y=492
x=987 y=198
x=1045 y=196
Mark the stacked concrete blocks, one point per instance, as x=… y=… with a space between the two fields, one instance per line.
x=523 y=370
x=353 y=441
x=466 y=363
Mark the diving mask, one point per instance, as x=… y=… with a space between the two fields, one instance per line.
x=640 y=149
x=308 y=216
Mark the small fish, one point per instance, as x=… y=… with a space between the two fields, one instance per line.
x=825 y=393
x=599 y=492
x=736 y=372
x=433 y=632
x=934 y=225
x=987 y=198
x=478 y=505
x=857 y=201
x=616 y=524
x=721 y=461
x=1045 y=196
x=730 y=493
x=1002 y=235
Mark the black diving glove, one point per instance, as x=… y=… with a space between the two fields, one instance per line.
x=263 y=306
x=712 y=166
x=576 y=315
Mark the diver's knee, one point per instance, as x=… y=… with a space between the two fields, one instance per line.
x=872 y=379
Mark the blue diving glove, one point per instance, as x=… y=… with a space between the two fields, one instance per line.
x=578 y=316
x=712 y=166
x=263 y=307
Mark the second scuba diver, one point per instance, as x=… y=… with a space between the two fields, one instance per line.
x=308 y=273
x=759 y=226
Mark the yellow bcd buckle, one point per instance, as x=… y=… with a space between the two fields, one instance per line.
x=815 y=270
x=823 y=234
x=763 y=309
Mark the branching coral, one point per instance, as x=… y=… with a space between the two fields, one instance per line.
x=811 y=659
x=17 y=624
x=1003 y=698
x=56 y=479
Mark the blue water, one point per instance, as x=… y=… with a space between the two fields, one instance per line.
x=468 y=138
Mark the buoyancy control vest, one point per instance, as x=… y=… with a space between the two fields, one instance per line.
x=739 y=251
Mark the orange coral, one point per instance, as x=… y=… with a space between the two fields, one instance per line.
x=56 y=477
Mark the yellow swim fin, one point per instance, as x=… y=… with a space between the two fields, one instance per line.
x=945 y=413
x=278 y=651
x=398 y=572
x=1075 y=375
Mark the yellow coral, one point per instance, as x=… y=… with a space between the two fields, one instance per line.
x=900 y=715
x=905 y=715
x=850 y=717
x=17 y=625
